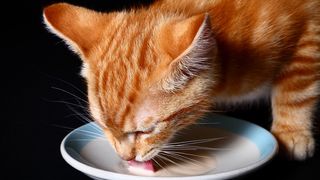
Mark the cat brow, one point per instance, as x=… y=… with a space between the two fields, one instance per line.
x=173 y=115
x=169 y=118
x=145 y=130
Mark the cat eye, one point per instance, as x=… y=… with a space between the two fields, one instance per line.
x=144 y=132
x=148 y=131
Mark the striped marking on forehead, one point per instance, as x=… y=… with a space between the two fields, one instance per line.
x=125 y=69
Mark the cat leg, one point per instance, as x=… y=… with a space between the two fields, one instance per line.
x=293 y=102
x=294 y=99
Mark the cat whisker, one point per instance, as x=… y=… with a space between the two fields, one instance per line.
x=89 y=135
x=69 y=103
x=197 y=141
x=84 y=118
x=79 y=105
x=188 y=154
x=160 y=165
x=95 y=139
x=217 y=111
x=73 y=95
x=76 y=115
x=91 y=132
x=63 y=127
x=189 y=148
x=86 y=113
x=183 y=158
x=169 y=160
x=180 y=149
x=162 y=160
x=194 y=141
x=83 y=132
x=68 y=83
x=214 y=123
x=181 y=132
x=85 y=108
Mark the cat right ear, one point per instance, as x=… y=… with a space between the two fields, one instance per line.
x=79 y=27
x=191 y=45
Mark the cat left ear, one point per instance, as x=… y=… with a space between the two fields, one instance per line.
x=79 y=27
x=192 y=46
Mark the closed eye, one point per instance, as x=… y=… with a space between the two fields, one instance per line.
x=148 y=131
x=144 y=132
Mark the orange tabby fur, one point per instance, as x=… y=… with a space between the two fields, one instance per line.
x=155 y=70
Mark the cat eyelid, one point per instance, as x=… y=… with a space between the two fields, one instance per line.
x=147 y=131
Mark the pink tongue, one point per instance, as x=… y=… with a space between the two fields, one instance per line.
x=146 y=165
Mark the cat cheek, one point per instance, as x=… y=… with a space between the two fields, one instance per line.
x=144 y=138
x=110 y=138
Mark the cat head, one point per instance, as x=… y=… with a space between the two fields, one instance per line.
x=149 y=75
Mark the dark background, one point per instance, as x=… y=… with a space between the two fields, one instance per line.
x=34 y=61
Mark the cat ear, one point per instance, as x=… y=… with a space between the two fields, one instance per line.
x=192 y=45
x=79 y=27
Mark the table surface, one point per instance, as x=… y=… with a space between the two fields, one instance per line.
x=38 y=64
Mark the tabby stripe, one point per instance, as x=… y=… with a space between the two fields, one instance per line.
x=131 y=44
x=111 y=91
x=284 y=114
x=142 y=58
x=136 y=82
x=103 y=83
x=104 y=78
x=162 y=135
x=300 y=84
x=287 y=128
x=297 y=72
x=300 y=103
x=153 y=56
x=111 y=40
x=97 y=90
x=304 y=60
x=107 y=69
x=312 y=51
x=305 y=44
x=119 y=36
x=136 y=87
x=173 y=115
x=122 y=88
x=123 y=116
x=132 y=97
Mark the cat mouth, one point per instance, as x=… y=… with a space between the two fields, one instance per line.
x=145 y=165
x=141 y=167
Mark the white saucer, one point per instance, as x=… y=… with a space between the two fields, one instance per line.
x=245 y=147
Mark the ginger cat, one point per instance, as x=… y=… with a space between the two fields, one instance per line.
x=154 y=70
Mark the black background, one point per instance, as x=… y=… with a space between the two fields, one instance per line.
x=33 y=62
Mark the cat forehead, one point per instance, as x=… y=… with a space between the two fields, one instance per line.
x=127 y=37
x=127 y=49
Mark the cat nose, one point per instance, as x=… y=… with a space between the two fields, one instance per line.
x=128 y=157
